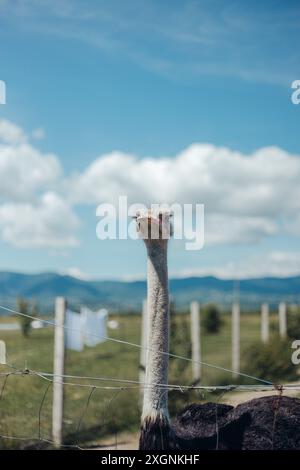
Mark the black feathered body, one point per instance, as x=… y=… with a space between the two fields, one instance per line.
x=260 y=424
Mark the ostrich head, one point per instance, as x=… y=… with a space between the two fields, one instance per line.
x=154 y=225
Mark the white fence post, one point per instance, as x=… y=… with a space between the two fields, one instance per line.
x=282 y=320
x=144 y=351
x=265 y=323
x=196 y=341
x=2 y=352
x=59 y=367
x=235 y=338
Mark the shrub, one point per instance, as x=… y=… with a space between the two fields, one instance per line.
x=212 y=321
x=23 y=307
x=271 y=361
x=293 y=324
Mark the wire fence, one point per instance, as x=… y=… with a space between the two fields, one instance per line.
x=100 y=383
x=135 y=384
x=135 y=345
x=113 y=387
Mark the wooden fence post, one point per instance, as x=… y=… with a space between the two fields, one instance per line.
x=196 y=341
x=282 y=320
x=265 y=323
x=59 y=367
x=235 y=338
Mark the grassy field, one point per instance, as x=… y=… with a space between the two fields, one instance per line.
x=109 y=411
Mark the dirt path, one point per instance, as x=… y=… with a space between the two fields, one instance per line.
x=123 y=441
x=235 y=399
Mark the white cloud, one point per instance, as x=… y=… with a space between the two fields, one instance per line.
x=24 y=170
x=292 y=226
x=246 y=197
x=49 y=223
x=234 y=229
x=75 y=272
x=10 y=133
x=275 y=263
x=32 y=214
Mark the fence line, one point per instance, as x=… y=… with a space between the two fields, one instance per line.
x=176 y=356
x=125 y=385
x=230 y=387
x=50 y=379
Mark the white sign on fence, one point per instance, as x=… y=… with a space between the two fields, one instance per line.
x=94 y=326
x=73 y=331
x=2 y=352
x=86 y=328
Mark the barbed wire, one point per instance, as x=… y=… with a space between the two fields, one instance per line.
x=40 y=438
x=130 y=385
x=146 y=348
x=136 y=384
x=122 y=385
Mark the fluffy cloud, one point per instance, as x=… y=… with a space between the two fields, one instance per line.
x=292 y=226
x=23 y=169
x=246 y=197
x=49 y=223
x=265 y=182
x=275 y=263
x=234 y=229
x=10 y=133
x=31 y=213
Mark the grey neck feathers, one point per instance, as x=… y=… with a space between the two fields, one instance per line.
x=156 y=398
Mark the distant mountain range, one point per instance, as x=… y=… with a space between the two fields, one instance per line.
x=121 y=295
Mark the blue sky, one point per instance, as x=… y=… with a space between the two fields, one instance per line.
x=149 y=79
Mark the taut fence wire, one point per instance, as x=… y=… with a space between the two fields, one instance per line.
x=135 y=384
x=135 y=345
x=129 y=385
x=116 y=386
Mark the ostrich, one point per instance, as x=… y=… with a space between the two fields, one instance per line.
x=264 y=423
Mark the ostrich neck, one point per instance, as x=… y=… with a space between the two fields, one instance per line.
x=156 y=398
